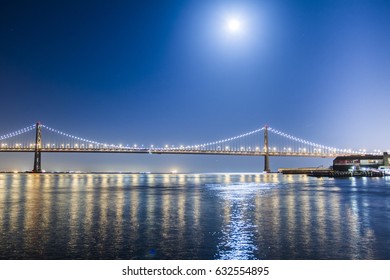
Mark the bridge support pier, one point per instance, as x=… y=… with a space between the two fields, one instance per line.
x=37 y=153
x=266 y=150
x=385 y=159
x=266 y=164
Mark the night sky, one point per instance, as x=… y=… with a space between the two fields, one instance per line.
x=156 y=72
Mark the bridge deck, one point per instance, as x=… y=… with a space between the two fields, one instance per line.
x=174 y=151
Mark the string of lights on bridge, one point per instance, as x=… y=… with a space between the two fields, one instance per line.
x=78 y=138
x=247 y=142
x=152 y=147
x=17 y=132
x=312 y=144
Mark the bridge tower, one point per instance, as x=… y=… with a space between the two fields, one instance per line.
x=38 y=145
x=266 y=150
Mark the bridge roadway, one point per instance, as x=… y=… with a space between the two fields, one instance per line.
x=176 y=151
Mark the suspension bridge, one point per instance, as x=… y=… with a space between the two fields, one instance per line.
x=265 y=141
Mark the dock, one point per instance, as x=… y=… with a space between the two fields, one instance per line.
x=304 y=170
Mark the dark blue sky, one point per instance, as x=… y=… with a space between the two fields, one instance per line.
x=168 y=72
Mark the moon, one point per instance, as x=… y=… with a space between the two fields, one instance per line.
x=233 y=25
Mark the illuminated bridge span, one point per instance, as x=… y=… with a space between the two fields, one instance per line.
x=265 y=141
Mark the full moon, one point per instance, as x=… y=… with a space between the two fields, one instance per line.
x=233 y=25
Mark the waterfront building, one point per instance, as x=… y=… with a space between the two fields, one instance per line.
x=345 y=163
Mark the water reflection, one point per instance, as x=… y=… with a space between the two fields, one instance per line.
x=192 y=216
x=236 y=241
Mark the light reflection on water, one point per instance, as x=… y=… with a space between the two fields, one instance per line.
x=237 y=242
x=193 y=216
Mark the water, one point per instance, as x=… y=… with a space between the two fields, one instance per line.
x=193 y=216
